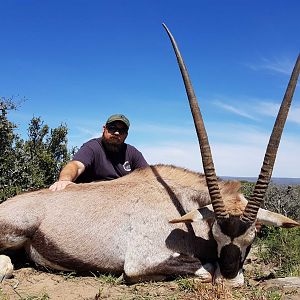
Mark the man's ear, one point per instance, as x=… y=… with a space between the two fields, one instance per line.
x=203 y=213
x=267 y=217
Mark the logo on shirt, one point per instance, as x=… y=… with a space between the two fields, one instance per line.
x=127 y=166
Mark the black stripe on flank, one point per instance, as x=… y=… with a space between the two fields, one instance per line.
x=51 y=252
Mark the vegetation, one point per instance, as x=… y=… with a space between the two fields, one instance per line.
x=33 y=163
x=110 y=279
x=279 y=247
x=282 y=199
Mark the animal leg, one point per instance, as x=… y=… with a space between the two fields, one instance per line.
x=176 y=265
x=6 y=267
x=11 y=237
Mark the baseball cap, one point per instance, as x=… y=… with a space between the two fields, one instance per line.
x=118 y=117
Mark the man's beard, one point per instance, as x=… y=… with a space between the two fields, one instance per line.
x=111 y=145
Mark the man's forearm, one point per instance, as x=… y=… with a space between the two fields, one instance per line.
x=69 y=172
x=68 y=175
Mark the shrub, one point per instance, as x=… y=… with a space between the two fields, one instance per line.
x=282 y=199
x=31 y=164
x=279 y=246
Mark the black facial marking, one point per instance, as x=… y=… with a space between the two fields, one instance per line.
x=233 y=226
x=230 y=261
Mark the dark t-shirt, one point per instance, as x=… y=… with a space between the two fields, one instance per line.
x=101 y=165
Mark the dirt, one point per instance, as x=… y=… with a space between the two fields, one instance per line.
x=29 y=283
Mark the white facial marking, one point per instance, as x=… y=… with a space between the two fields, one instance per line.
x=221 y=239
x=243 y=241
x=234 y=282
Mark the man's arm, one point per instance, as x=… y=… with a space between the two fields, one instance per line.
x=67 y=175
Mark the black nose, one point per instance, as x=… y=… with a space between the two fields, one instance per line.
x=229 y=261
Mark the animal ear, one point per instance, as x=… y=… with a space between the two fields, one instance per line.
x=267 y=217
x=203 y=213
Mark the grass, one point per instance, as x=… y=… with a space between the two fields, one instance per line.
x=179 y=289
x=110 y=279
x=68 y=275
x=280 y=248
x=43 y=296
x=2 y=295
x=256 y=293
x=185 y=284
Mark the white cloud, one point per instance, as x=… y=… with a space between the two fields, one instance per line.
x=294 y=115
x=234 y=109
x=258 y=109
x=272 y=108
x=229 y=160
x=281 y=65
x=267 y=108
x=238 y=154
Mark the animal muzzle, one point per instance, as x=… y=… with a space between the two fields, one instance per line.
x=230 y=261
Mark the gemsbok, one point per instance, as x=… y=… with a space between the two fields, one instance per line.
x=154 y=223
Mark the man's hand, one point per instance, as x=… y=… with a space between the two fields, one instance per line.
x=67 y=175
x=60 y=185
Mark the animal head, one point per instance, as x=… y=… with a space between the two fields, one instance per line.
x=233 y=225
x=234 y=236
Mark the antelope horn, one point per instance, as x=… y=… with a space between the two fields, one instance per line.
x=208 y=165
x=264 y=177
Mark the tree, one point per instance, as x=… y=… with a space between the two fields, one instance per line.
x=279 y=198
x=31 y=164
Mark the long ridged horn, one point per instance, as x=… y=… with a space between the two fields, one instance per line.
x=208 y=165
x=264 y=178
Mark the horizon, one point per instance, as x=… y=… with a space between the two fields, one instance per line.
x=275 y=180
x=78 y=62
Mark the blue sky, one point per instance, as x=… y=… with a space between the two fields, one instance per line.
x=77 y=62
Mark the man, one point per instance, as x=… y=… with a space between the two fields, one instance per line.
x=104 y=158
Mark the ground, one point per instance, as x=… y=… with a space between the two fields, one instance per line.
x=29 y=283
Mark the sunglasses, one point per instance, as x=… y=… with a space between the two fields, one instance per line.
x=113 y=128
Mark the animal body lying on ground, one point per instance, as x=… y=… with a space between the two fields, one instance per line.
x=156 y=222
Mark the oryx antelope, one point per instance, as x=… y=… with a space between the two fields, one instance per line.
x=123 y=226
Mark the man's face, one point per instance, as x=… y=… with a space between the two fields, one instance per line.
x=114 y=135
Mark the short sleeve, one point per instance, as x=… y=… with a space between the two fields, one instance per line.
x=85 y=155
x=138 y=160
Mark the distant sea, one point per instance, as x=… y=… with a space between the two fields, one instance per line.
x=275 y=180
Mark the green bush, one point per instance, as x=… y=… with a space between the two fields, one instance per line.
x=282 y=199
x=33 y=163
x=279 y=246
